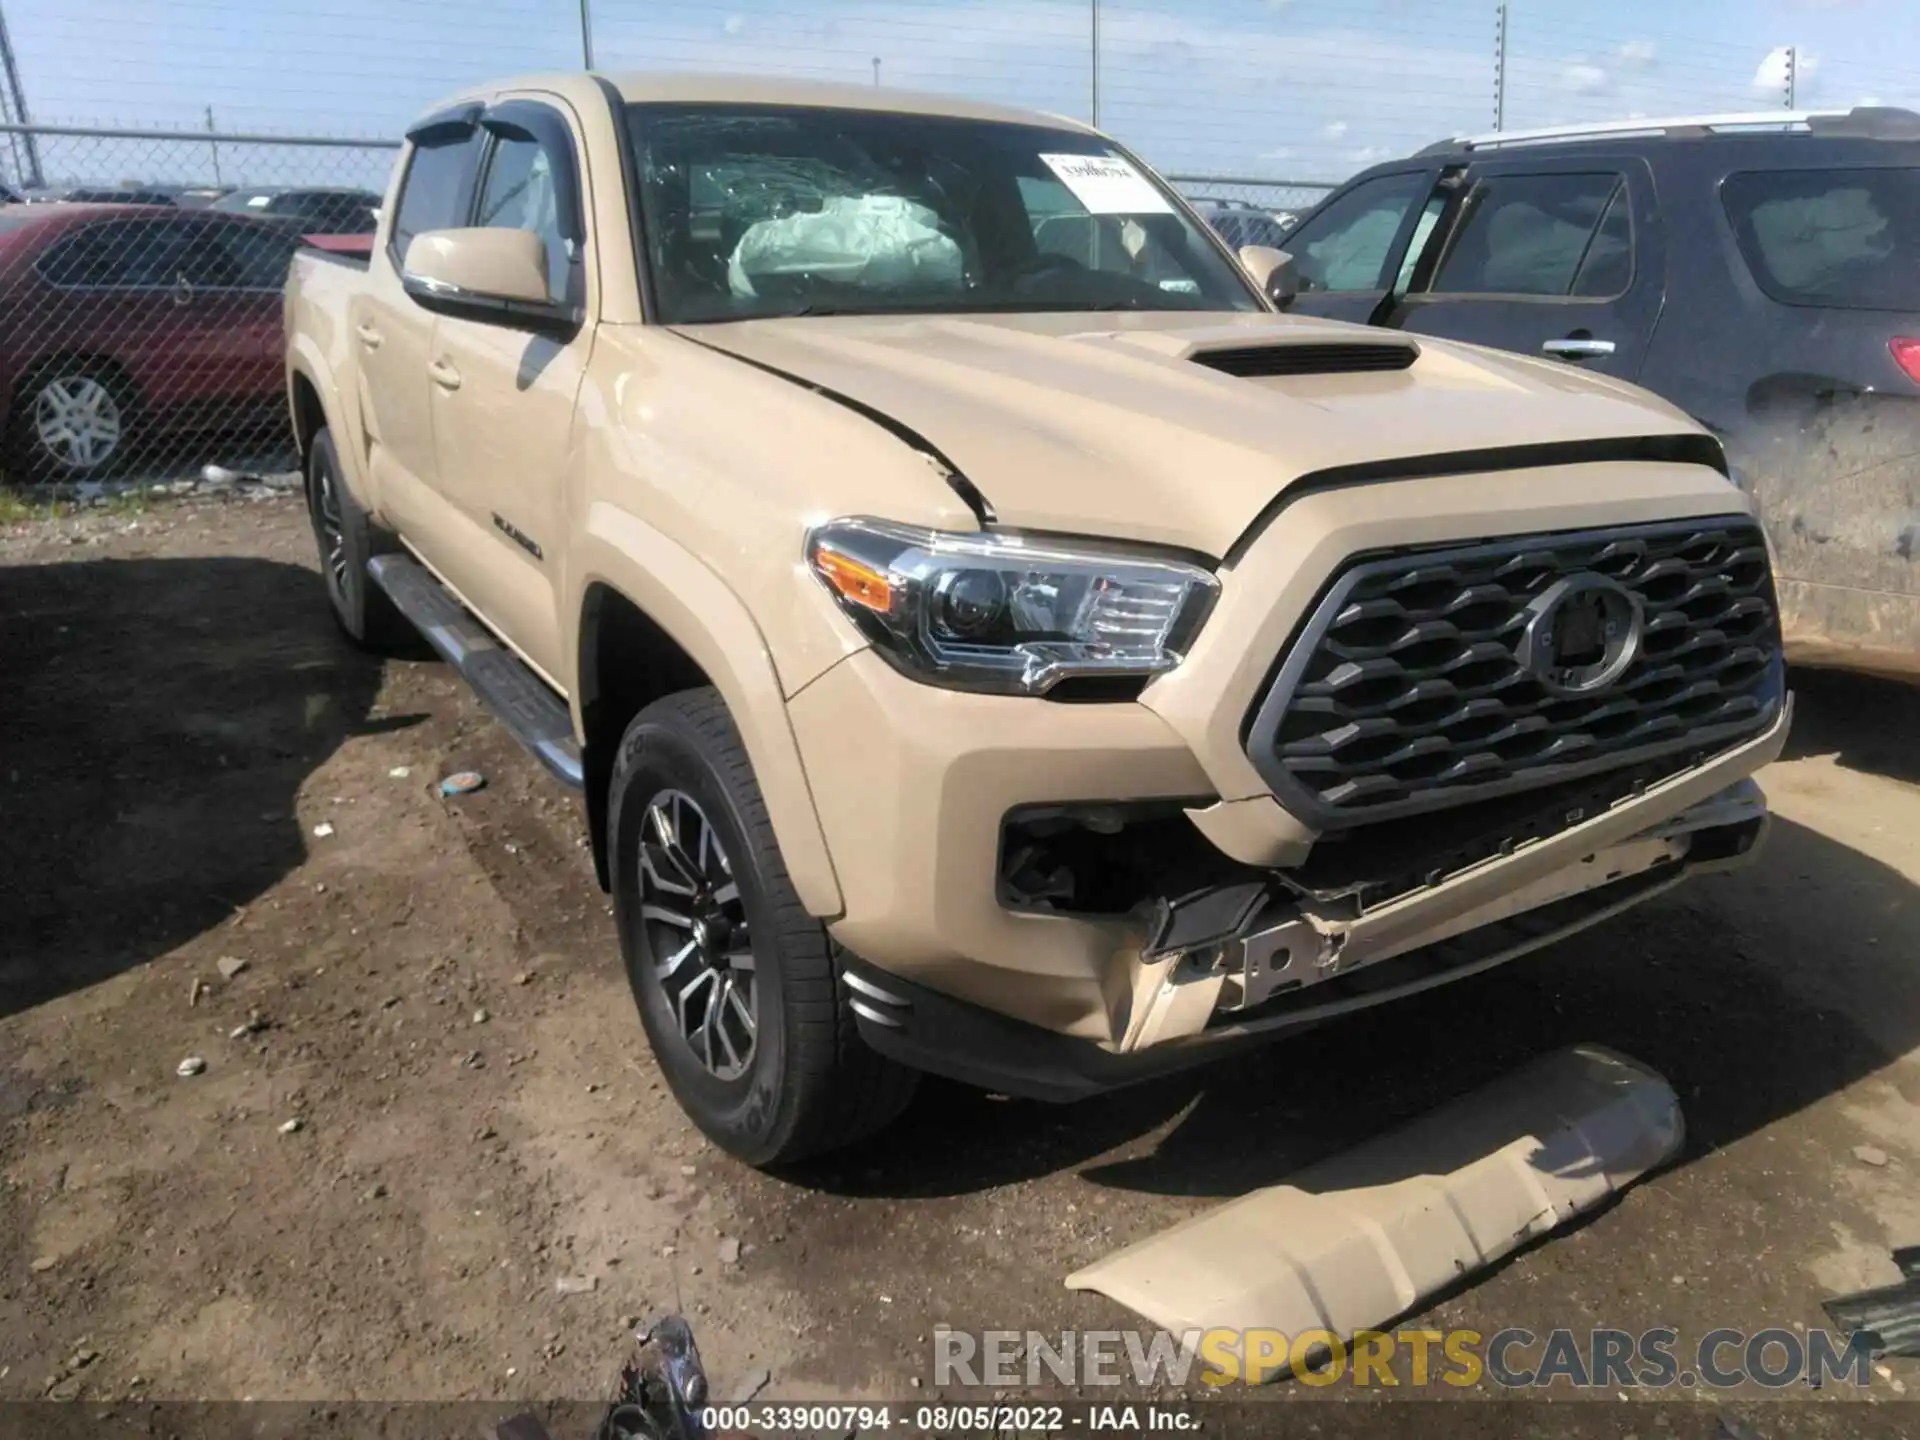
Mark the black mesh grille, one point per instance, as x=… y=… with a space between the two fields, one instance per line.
x=1252 y=361
x=1406 y=689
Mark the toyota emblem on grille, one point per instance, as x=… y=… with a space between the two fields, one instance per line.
x=1581 y=634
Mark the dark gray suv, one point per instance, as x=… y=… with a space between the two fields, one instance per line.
x=1760 y=272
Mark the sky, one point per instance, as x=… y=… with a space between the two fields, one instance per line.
x=1297 y=89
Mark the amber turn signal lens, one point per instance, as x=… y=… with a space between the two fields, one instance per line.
x=859 y=583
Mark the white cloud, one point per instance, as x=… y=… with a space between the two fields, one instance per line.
x=1367 y=154
x=1771 y=77
x=1584 y=79
x=1335 y=129
x=735 y=25
x=1639 y=53
x=1279 y=4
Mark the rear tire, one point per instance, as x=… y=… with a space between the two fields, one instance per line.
x=736 y=983
x=347 y=539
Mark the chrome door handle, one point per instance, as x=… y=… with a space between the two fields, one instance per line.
x=444 y=375
x=369 y=336
x=1578 y=349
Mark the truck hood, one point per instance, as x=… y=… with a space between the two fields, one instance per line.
x=1176 y=428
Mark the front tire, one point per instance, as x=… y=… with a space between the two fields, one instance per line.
x=347 y=539
x=71 y=423
x=735 y=982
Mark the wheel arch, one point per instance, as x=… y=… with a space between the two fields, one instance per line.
x=653 y=620
x=314 y=400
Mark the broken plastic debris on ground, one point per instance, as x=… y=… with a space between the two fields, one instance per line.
x=1889 y=1314
x=660 y=1395
x=1451 y=1192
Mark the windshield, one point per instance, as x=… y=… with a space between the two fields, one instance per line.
x=761 y=210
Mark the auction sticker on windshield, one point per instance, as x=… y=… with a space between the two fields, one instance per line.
x=1108 y=185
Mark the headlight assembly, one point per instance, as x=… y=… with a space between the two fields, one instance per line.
x=1008 y=613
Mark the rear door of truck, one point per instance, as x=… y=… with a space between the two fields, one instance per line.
x=393 y=336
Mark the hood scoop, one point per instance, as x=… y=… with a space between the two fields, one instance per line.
x=1253 y=362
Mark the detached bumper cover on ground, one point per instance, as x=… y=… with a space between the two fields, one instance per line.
x=1365 y=1236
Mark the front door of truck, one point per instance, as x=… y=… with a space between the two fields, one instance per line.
x=503 y=395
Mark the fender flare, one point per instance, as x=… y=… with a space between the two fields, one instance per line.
x=306 y=361
x=703 y=616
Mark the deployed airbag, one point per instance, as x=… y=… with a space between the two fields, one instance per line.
x=874 y=242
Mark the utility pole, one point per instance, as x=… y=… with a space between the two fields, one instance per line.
x=1500 y=68
x=13 y=108
x=586 y=35
x=214 y=145
x=1095 y=119
x=1793 y=77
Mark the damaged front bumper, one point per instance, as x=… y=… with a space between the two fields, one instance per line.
x=1284 y=962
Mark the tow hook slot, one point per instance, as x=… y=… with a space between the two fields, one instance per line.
x=1251 y=936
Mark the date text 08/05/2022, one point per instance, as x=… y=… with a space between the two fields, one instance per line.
x=940 y=1419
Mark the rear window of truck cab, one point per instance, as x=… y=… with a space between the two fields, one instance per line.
x=1847 y=237
x=769 y=210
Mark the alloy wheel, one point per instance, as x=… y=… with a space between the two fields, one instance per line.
x=77 y=421
x=333 y=533
x=694 y=934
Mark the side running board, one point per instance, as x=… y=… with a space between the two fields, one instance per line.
x=536 y=716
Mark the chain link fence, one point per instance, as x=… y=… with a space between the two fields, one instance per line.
x=1251 y=212
x=140 y=344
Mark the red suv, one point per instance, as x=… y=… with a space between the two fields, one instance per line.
x=120 y=324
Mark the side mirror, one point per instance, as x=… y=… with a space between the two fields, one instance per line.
x=1274 y=271
x=491 y=274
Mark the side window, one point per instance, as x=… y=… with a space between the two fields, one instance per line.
x=205 y=262
x=1538 y=234
x=1422 y=233
x=1346 y=246
x=259 y=256
x=1608 y=268
x=1846 y=237
x=521 y=192
x=85 y=257
x=152 y=255
x=434 y=194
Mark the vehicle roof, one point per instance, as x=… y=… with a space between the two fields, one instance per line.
x=690 y=87
x=1782 y=127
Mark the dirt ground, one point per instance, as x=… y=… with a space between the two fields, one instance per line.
x=195 y=770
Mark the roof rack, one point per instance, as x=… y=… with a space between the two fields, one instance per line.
x=1863 y=123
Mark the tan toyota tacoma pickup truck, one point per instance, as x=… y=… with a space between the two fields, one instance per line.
x=990 y=638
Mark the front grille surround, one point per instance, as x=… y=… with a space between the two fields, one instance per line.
x=1401 y=692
